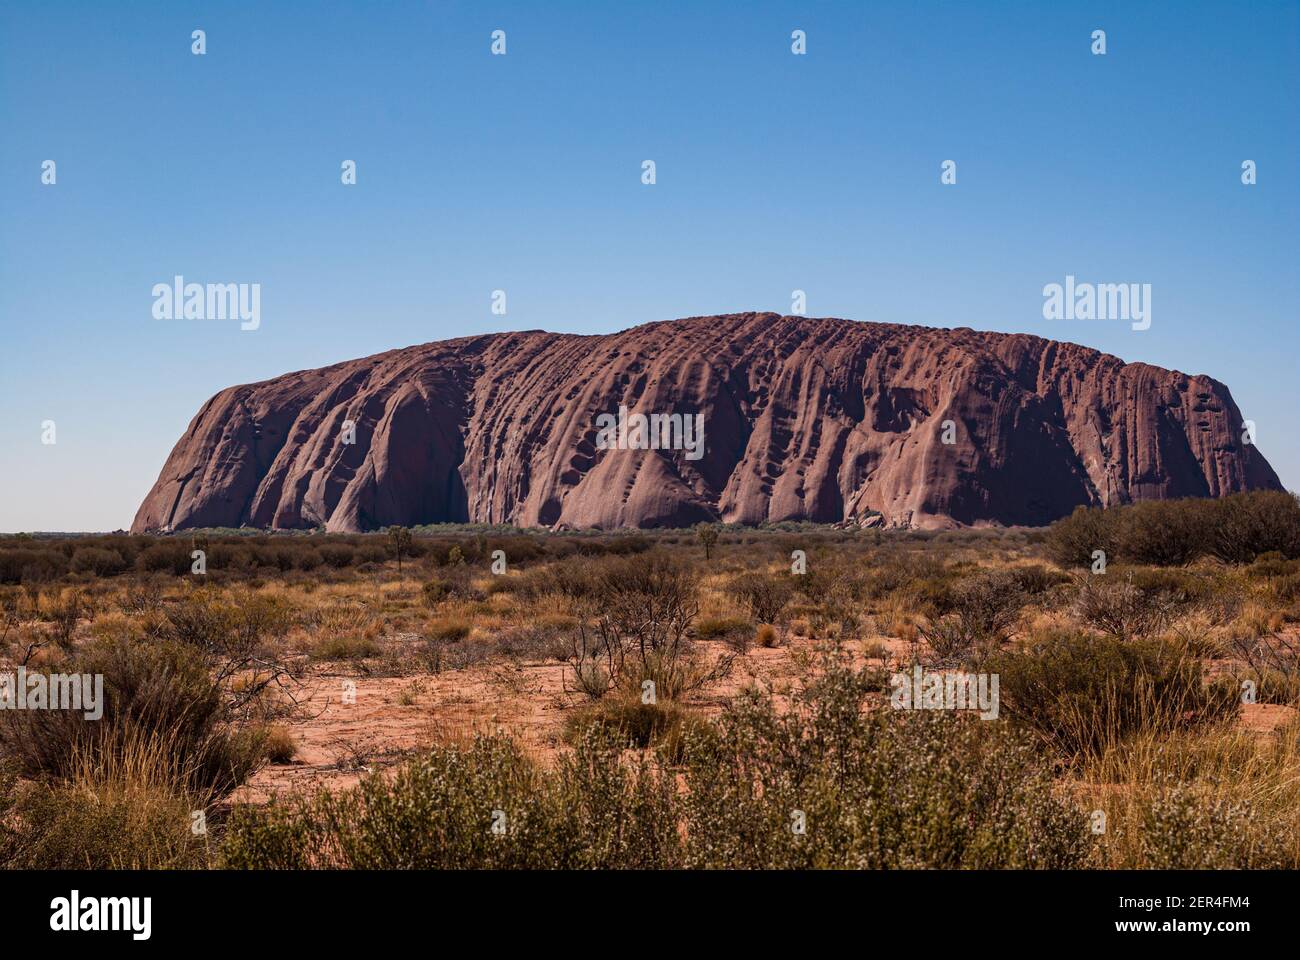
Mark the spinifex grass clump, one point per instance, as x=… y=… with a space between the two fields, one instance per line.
x=130 y=808
x=161 y=691
x=829 y=782
x=121 y=791
x=1227 y=798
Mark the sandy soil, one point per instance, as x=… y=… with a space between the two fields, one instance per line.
x=392 y=718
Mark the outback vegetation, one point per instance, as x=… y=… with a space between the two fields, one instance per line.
x=713 y=697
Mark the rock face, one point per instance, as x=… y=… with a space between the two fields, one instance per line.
x=804 y=419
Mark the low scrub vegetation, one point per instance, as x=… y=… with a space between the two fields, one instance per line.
x=762 y=789
x=1235 y=529
x=712 y=698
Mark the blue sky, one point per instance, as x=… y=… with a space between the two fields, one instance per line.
x=476 y=172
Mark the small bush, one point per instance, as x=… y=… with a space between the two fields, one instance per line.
x=1245 y=525
x=1081 y=694
x=719 y=628
x=764 y=595
x=159 y=692
x=338 y=555
x=635 y=723
x=124 y=812
x=949 y=638
x=1072 y=540
x=1235 y=529
x=451 y=583
x=1182 y=830
x=281 y=747
x=32 y=566
x=165 y=558
x=989 y=604
x=449 y=629
x=344 y=646
x=1121 y=608
x=943 y=791
x=101 y=563
x=1167 y=533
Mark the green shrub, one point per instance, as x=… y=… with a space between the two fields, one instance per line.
x=1081 y=694
x=1167 y=533
x=876 y=788
x=1245 y=525
x=1072 y=540
x=438 y=812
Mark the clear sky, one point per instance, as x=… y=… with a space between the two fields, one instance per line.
x=522 y=172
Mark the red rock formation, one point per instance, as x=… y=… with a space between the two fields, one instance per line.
x=804 y=419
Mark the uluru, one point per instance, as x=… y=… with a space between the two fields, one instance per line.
x=802 y=419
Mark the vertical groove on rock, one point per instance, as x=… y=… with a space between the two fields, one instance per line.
x=804 y=419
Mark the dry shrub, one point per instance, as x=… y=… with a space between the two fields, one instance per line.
x=949 y=638
x=721 y=628
x=281 y=747
x=1120 y=608
x=764 y=595
x=449 y=629
x=635 y=722
x=641 y=630
x=893 y=620
x=344 y=646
